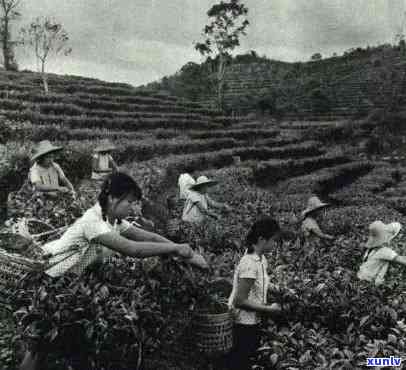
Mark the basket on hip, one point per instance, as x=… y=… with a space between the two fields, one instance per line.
x=14 y=268
x=213 y=333
x=23 y=255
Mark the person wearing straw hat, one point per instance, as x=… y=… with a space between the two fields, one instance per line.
x=45 y=175
x=198 y=202
x=310 y=228
x=102 y=162
x=378 y=255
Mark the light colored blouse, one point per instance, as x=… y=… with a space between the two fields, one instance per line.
x=251 y=266
x=46 y=176
x=376 y=264
x=103 y=166
x=310 y=228
x=72 y=252
x=191 y=211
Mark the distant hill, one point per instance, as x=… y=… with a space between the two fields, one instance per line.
x=346 y=85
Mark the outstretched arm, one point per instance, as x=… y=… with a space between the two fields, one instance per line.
x=142 y=249
x=137 y=234
x=63 y=179
x=400 y=259
x=212 y=203
x=317 y=231
x=68 y=184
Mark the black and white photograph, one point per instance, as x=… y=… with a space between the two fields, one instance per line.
x=202 y=184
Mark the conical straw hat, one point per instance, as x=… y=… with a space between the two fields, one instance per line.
x=44 y=147
x=313 y=204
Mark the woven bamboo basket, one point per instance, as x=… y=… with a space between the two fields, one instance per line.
x=213 y=333
x=14 y=267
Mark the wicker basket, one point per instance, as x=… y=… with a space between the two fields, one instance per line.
x=13 y=268
x=213 y=333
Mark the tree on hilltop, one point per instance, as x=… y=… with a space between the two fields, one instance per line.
x=316 y=57
x=46 y=37
x=228 y=21
x=9 y=14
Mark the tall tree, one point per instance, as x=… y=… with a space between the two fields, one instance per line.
x=227 y=22
x=9 y=14
x=46 y=37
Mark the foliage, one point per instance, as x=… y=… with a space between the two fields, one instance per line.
x=190 y=82
x=316 y=56
x=320 y=102
x=125 y=310
x=10 y=14
x=46 y=37
x=222 y=36
x=273 y=171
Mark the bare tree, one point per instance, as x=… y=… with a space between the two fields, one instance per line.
x=228 y=23
x=46 y=37
x=9 y=14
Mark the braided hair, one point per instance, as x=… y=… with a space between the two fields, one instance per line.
x=266 y=227
x=118 y=185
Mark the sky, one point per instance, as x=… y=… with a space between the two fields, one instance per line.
x=140 y=41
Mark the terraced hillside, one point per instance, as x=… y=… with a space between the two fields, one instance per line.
x=263 y=168
x=347 y=85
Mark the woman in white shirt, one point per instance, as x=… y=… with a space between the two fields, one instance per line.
x=199 y=204
x=103 y=230
x=249 y=295
x=102 y=162
x=379 y=256
x=46 y=176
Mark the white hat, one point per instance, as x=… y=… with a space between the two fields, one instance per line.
x=185 y=181
x=203 y=181
x=312 y=204
x=44 y=147
x=104 y=147
x=380 y=233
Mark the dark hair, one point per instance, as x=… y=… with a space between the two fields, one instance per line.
x=171 y=202
x=118 y=185
x=266 y=227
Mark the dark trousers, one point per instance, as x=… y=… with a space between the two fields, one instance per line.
x=246 y=342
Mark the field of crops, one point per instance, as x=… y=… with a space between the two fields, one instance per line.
x=130 y=309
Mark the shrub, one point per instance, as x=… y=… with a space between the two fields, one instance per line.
x=320 y=102
x=115 y=315
x=269 y=172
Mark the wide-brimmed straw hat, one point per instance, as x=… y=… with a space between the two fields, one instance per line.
x=42 y=148
x=380 y=233
x=105 y=147
x=201 y=182
x=313 y=204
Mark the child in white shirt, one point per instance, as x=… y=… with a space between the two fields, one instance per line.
x=102 y=162
x=45 y=175
x=379 y=256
